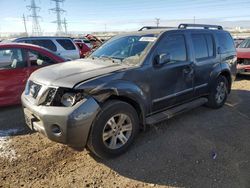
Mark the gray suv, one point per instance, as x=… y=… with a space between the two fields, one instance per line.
x=131 y=81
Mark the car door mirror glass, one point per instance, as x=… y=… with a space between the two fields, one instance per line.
x=162 y=59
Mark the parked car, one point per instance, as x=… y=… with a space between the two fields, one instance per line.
x=62 y=46
x=84 y=49
x=237 y=41
x=17 y=62
x=83 y=40
x=133 y=80
x=243 y=55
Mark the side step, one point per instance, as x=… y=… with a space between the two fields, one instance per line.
x=161 y=116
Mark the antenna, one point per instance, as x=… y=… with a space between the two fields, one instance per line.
x=58 y=11
x=36 y=29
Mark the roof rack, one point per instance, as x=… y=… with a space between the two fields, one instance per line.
x=184 y=26
x=154 y=27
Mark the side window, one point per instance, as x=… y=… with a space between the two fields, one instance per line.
x=203 y=46
x=225 y=42
x=66 y=44
x=200 y=46
x=12 y=59
x=210 y=45
x=38 y=59
x=44 y=43
x=175 y=46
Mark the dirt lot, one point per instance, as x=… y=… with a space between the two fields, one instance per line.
x=201 y=148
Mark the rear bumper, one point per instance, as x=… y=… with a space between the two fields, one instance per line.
x=67 y=125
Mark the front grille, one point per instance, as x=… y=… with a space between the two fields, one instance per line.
x=33 y=89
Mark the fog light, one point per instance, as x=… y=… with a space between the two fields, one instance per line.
x=56 y=130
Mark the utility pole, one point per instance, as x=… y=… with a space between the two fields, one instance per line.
x=25 y=26
x=194 y=19
x=58 y=11
x=105 y=28
x=36 y=29
x=65 y=26
x=157 y=21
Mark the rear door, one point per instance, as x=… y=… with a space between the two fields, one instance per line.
x=13 y=75
x=205 y=60
x=68 y=49
x=172 y=83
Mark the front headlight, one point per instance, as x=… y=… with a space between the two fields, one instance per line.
x=70 y=99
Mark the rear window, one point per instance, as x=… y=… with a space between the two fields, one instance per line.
x=44 y=43
x=66 y=44
x=225 y=42
x=245 y=44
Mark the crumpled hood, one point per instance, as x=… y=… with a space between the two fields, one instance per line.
x=69 y=74
x=243 y=53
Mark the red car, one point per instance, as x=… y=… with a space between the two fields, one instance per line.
x=17 y=62
x=243 y=56
x=84 y=49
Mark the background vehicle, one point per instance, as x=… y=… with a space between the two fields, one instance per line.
x=62 y=46
x=83 y=40
x=17 y=62
x=237 y=41
x=84 y=49
x=133 y=80
x=243 y=56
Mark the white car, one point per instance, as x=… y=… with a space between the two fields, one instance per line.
x=62 y=46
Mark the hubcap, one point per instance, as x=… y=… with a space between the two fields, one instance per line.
x=117 y=131
x=221 y=92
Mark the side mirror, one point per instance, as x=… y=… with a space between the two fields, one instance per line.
x=162 y=59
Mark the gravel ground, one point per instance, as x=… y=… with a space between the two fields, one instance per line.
x=201 y=148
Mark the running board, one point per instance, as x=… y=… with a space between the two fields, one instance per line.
x=161 y=116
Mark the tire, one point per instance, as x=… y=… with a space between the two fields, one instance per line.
x=115 y=121
x=219 y=93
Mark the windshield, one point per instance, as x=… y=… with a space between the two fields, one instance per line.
x=130 y=48
x=245 y=44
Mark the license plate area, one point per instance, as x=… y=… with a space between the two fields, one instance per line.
x=29 y=118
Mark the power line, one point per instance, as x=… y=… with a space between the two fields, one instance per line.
x=25 y=26
x=36 y=29
x=58 y=11
x=157 y=21
x=65 y=26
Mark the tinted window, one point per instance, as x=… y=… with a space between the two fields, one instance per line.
x=210 y=45
x=200 y=46
x=203 y=45
x=66 y=44
x=11 y=59
x=225 y=42
x=44 y=43
x=174 y=45
x=38 y=59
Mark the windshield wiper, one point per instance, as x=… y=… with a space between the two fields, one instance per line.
x=113 y=59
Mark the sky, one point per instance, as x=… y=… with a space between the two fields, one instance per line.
x=125 y=15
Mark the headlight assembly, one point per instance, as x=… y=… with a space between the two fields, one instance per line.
x=70 y=99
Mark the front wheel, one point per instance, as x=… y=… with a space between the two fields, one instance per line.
x=114 y=129
x=219 y=93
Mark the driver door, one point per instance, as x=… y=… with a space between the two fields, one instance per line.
x=172 y=82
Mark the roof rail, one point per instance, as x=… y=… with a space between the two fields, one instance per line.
x=185 y=25
x=154 y=27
